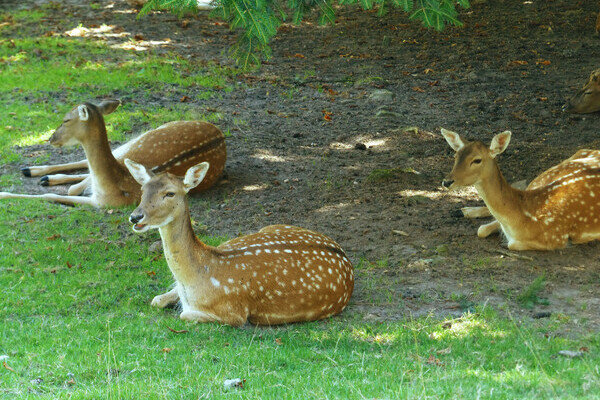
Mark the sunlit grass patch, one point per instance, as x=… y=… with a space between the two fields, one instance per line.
x=43 y=77
x=84 y=276
x=75 y=64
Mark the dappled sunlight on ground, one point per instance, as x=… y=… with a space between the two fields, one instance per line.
x=267 y=155
x=254 y=188
x=34 y=138
x=453 y=195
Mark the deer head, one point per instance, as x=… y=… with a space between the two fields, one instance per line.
x=78 y=122
x=473 y=160
x=163 y=195
x=587 y=99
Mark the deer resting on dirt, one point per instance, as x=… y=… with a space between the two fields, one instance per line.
x=172 y=147
x=587 y=99
x=561 y=204
x=279 y=275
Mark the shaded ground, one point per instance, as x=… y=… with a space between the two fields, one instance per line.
x=311 y=147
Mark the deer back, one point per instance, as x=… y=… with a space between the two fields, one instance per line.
x=176 y=146
x=286 y=274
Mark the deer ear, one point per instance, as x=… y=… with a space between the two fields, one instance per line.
x=499 y=143
x=453 y=139
x=108 y=106
x=138 y=171
x=194 y=176
x=84 y=114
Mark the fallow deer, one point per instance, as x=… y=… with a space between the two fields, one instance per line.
x=281 y=274
x=561 y=204
x=172 y=147
x=587 y=99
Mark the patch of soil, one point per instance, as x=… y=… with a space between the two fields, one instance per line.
x=316 y=143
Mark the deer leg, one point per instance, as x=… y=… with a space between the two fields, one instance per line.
x=79 y=188
x=198 y=316
x=61 y=179
x=487 y=229
x=519 y=246
x=56 y=198
x=166 y=299
x=49 y=169
x=475 y=212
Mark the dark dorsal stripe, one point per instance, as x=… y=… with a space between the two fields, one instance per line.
x=281 y=247
x=205 y=148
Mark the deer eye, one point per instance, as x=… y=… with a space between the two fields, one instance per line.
x=169 y=194
x=476 y=161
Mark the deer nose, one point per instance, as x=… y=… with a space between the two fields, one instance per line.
x=134 y=219
x=447 y=183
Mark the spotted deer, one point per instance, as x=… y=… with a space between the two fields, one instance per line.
x=587 y=99
x=561 y=204
x=172 y=147
x=278 y=275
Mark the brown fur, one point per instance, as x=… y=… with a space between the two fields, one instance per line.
x=279 y=275
x=559 y=205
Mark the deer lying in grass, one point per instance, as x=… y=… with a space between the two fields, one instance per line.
x=561 y=204
x=279 y=275
x=587 y=99
x=173 y=147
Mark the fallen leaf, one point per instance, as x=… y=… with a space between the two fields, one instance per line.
x=517 y=62
x=418 y=89
x=543 y=62
x=185 y=99
x=278 y=341
x=298 y=55
x=175 y=330
x=434 y=361
x=167 y=349
x=150 y=273
x=53 y=237
x=7 y=367
x=71 y=381
x=69 y=265
x=138 y=37
x=428 y=71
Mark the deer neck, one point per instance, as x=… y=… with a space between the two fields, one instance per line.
x=188 y=258
x=504 y=201
x=104 y=168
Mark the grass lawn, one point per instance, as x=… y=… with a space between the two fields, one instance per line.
x=76 y=282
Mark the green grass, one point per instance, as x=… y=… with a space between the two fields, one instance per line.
x=75 y=316
x=43 y=77
x=530 y=296
x=76 y=309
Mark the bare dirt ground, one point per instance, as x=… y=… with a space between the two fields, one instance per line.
x=315 y=143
